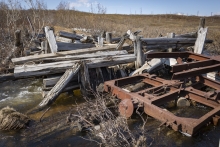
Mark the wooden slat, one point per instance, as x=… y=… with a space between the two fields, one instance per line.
x=62 y=46
x=22 y=60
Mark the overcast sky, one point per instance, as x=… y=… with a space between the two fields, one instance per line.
x=190 y=7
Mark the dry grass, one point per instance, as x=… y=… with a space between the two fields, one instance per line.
x=15 y=17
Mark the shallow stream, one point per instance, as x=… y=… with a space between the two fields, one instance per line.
x=24 y=94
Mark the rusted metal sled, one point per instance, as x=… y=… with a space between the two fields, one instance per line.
x=157 y=91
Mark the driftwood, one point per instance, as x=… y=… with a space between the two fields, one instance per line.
x=70 y=35
x=23 y=60
x=140 y=55
x=59 y=67
x=57 y=89
x=51 y=39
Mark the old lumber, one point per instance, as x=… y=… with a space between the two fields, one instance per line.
x=62 y=39
x=108 y=37
x=86 y=56
x=6 y=77
x=23 y=60
x=200 y=41
x=62 y=46
x=51 y=39
x=49 y=82
x=59 y=67
x=70 y=35
x=57 y=89
x=150 y=41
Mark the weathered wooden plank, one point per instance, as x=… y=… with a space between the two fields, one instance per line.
x=22 y=60
x=51 y=39
x=59 y=67
x=108 y=37
x=57 y=89
x=200 y=41
x=62 y=39
x=70 y=35
x=62 y=46
x=140 y=55
x=86 y=56
x=50 y=82
x=170 y=40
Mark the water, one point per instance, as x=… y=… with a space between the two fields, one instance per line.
x=54 y=131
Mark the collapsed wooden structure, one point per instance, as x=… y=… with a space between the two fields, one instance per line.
x=91 y=61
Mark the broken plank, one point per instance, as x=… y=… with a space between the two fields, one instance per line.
x=22 y=60
x=200 y=41
x=62 y=46
x=70 y=35
x=51 y=39
x=86 y=56
x=62 y=39
x=57 y=89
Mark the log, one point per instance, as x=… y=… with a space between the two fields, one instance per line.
x=59 y=67
x=200 y=41
x=170 y=40
x=170 y=35
x=51 y=39
x=201 y=23
x=166 y=46
x=22 y=60
x=86 y=56
x=70 y=35
x=57 y=89
x=62 y=46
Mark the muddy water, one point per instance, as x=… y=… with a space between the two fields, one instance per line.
x=54 y=131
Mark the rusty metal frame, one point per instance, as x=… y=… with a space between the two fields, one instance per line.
x=199 y=64
x=151 y=102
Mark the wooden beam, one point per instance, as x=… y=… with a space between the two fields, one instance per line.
x=59 y=67
x=86 y=56
x=23 y=60
x=57 y=89
x=70 y=35
x=170 y=40
x=63 y=46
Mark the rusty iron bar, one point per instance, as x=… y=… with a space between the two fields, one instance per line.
x=174 y=89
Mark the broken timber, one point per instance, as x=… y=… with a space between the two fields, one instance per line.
x=51 y=39
x=23 y=60
x=60 y=85
x=70 y=35
x=59 y=67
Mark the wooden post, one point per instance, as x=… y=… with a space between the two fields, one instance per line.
x=170 y=35
x=200 y=41
x=44 y=46
x=140 y=55
x=202 y=23
x=108 y=37
x=51 y=39
x=100 y=41
x=17 y=38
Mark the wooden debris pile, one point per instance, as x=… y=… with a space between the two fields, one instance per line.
x=72 y=61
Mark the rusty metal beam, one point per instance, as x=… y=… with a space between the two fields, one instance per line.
x=195 y=72
x=191 y=65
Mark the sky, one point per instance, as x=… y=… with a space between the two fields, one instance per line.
x=188 y=7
